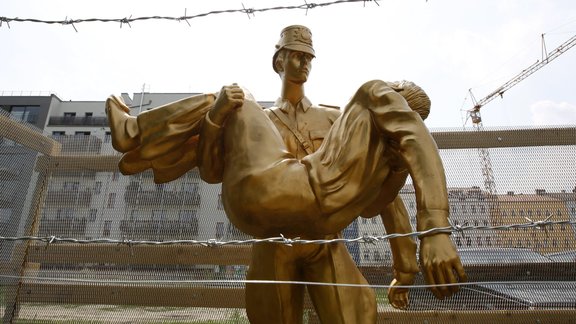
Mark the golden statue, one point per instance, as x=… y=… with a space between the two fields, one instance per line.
x=305 y=171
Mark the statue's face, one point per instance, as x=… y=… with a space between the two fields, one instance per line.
x=297 y=66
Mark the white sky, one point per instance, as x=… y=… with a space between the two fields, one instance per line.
x=446 y=46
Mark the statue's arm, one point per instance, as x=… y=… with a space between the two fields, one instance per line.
x=211 y=145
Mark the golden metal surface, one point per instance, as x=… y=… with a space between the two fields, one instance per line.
x=305 y=171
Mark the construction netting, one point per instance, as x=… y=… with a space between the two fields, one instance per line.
x=82 y=243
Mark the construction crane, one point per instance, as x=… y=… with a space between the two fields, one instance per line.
x=474 y=113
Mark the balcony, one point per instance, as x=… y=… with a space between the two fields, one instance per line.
x=161 y=198
x=159 y=229
x=73 y=144
x=78 y=121
x=73 y=227
x=69 y=198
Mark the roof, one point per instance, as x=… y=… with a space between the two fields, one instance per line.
x=491 y=256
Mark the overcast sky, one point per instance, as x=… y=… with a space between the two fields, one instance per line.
x=446 y=46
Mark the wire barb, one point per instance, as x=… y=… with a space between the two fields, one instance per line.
x=248 y=11
x=69 y=22
x=185 y=18
x=4 y=19
x=126 y=21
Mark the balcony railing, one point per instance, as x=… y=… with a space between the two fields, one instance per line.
x=74 y=227
x=77 y=121
x=159 y=229
x=159 y=197
x=69 y=198
x=79 y=143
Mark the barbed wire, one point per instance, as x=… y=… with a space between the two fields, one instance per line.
x=127 y=20
x=367 y=239
x=293 y=282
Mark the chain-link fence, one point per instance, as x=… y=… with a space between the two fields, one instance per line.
x=81 y=243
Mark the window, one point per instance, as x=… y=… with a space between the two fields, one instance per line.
x=69 y=114
x=82 y=133
x=65 y=213
x=364 y=220
x=107 y=137
x=92 y=215
x=98 y=187
x=27 y=114
x=468 y=241
x=219 y=230
x=71 y=185
x=220 y=204
x=464 y=210
x=374 y=220
x=482 y=209
x=111 y=199
x=88 y=114
x=107 y=228
x=377 y=256
x=473 y=209
x=367 y=255
x=458 y=241
x=58 y=133
x=158 y=214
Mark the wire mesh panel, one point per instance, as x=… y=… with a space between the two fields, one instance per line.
x=81 y=243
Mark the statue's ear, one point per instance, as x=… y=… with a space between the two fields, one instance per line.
x=278 y=66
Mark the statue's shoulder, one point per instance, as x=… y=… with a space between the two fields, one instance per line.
x=332 y=111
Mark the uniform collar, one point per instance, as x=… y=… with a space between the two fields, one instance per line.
x=285 y=105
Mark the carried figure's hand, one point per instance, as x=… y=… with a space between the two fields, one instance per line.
x=229 y=98
x=398 y=292
x=441 y=264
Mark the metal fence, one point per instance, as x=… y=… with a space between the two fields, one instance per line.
x=81 y=243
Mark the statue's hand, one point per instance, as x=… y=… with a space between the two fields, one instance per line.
x=398 y=295
x=441 y=264
x=229 y=98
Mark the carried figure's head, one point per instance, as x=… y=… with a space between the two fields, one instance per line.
x=295 y=38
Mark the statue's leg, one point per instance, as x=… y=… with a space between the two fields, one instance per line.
x=339 y=304
x=266 y=191
x=274 y=303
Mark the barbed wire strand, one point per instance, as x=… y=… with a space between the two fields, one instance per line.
x=367 y=239
x=287 y=282
x=127 y=20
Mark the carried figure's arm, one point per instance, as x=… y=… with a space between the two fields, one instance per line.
x=439 y=259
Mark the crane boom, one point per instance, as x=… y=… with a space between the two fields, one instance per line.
x=474 y=113
x=526 y=72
